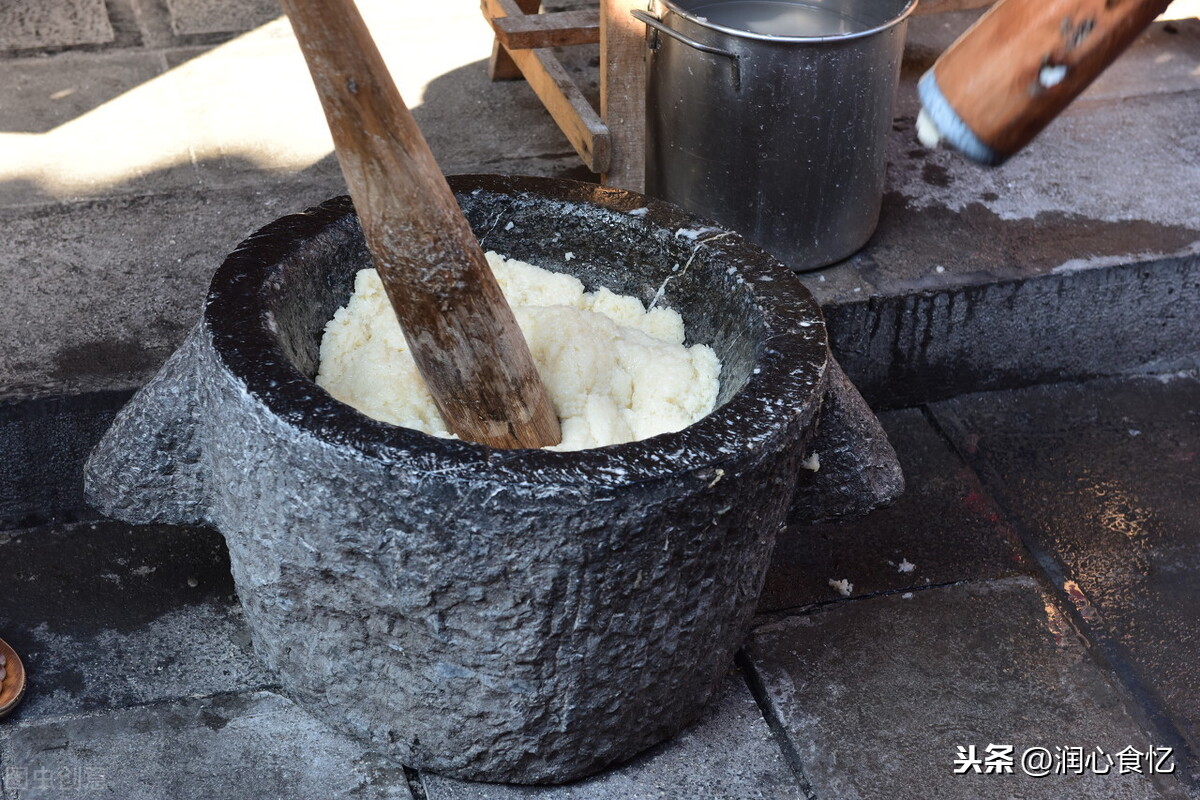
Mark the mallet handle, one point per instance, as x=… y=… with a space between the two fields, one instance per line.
x=458 y=325
x=1025 y=60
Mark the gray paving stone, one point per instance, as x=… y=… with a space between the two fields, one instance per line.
x=32 y=24
x=100 y=293
x=105 y=616
x=730 y=753
x=1102 y=478
x=38 y=95
x=470 y=123
x=220 y=16
x=944 y=526
x=229 y=747
x=877 y=694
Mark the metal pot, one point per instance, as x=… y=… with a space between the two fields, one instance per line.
x=779 y=136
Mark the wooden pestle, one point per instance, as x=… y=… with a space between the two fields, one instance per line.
x=1022 y=63
x=461 y=331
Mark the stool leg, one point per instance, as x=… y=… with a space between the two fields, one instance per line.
x=623 y=92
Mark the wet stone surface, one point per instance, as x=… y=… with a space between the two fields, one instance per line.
x=928 y=345
x=1104 y=481
x=136 y=277
x=106 y=615
x=944 y=528
x=877 y=694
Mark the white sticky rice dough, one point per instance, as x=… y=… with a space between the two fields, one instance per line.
x=614 y=371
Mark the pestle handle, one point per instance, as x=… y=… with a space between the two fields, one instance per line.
x=1022 y=63
x=461 y=331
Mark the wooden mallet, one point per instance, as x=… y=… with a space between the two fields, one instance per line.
x=461 y=331
x=1019 y=66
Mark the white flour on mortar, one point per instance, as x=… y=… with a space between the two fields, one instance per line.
x=614 y=371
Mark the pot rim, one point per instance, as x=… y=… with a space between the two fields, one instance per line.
x=783 y=391
x=741 y=33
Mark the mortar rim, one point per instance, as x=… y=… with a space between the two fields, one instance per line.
x=775 y=398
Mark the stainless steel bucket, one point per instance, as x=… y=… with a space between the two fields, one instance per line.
x=780 y=136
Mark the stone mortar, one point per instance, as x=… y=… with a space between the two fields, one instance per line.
x=523 y=616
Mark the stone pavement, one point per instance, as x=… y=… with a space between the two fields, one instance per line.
x=1036 y=587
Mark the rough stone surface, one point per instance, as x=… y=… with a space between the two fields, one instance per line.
x=227 y=747
x=220 y=16
x=514 y=615
x=877 y=694
x=857 y=469
x=1110 y=504
x=35 y=24
x=105 y=616
x=729 y=753
x=945 y=525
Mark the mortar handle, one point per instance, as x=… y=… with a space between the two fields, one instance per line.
x=857 y=469
x=148 y=466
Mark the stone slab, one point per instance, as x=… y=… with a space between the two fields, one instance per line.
x=106 y=615
x=190 y=17
x=41 y=94
x=36 y=24
x=252 y=144
x=877 y=694
x=910 y=348
x=227 y=747
x=1102 y=479
x=1164 y=59
x=729 y=753
x=100 y=293
x=945 y=526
